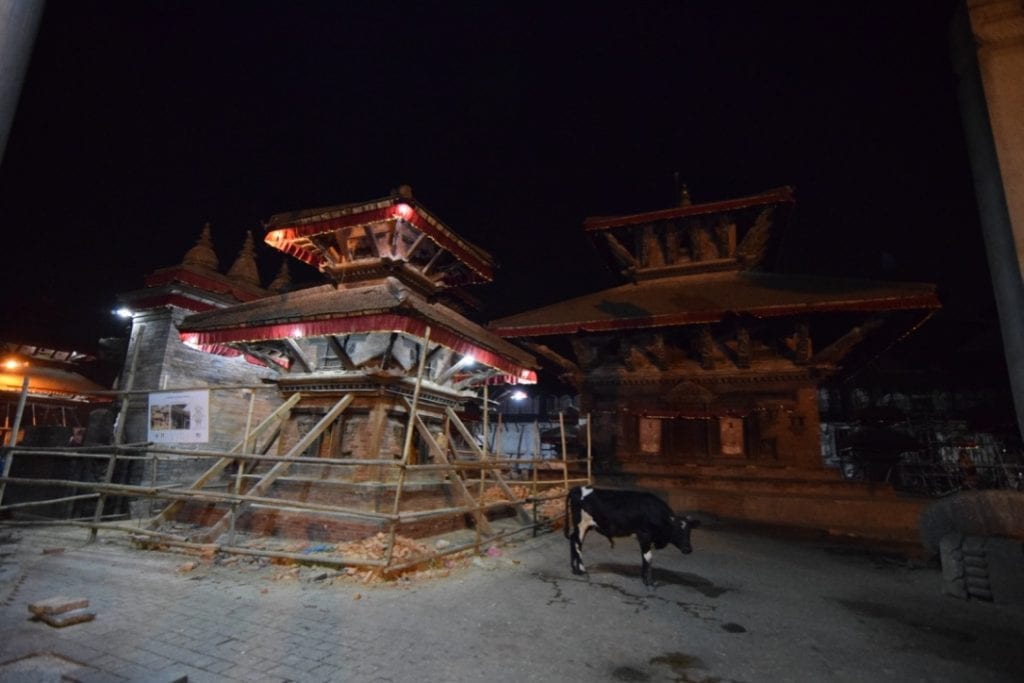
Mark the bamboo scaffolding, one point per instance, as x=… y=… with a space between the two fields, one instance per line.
x=240 y=465
x=14 y=433
x=206 y=496
x=51 y=501
x=482 y=455
x=407 y=445
x=486 y=463
x=280 y=413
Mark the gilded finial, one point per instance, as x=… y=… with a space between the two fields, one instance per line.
x=202 y=254
x=244 y=268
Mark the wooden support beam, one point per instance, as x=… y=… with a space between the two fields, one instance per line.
x=264 y=358
x=297 y=354
x=339 y=350
x=385 y=358
x=119 y=427
x=9 y=454
x=445 y=375
x=407 y=253
x=496 y=475
x=432 y=262
x=623 y=255
x=477 y=378
x=280 y=468
x=558 y=359
x=280 y=413
x=482 y=524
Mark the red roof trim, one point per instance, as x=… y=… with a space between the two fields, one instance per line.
x=368 y=323
x=783 y=195
x=921 y=301
x=210 y=284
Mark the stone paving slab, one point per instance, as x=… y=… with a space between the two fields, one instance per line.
x=742 y=607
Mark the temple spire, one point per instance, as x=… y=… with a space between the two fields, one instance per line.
x=244 y=268
x=202 y=254
x=283 y=280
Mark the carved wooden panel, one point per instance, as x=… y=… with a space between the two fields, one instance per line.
x=731 y=435
x=650 y=436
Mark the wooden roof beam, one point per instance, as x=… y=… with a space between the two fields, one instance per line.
x=296 y=353
x=339 y=350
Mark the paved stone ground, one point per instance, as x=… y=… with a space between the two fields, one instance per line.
x=742 y=607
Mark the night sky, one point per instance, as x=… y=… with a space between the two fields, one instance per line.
x=513 y=122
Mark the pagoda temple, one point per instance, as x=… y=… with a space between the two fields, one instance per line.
x=374 y=367
x=701 y=369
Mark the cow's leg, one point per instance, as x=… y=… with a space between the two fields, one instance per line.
x=575 y=555
x=646 y=556
x=579 y=534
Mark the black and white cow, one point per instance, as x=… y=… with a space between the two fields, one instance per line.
x=615 y=513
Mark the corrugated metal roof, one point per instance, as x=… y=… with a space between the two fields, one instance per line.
x=707 y=298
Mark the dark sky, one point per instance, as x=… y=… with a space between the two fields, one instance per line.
x=513 y=122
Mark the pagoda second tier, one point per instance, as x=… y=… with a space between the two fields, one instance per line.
x=376 y=332
x=393 y=236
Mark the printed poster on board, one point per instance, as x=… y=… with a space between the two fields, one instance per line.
x=179 y=416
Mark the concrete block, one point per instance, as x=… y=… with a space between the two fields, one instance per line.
x=57 y=605
x=76 y=616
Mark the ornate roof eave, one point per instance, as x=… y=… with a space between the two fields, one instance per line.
x=204 y=280
x=386 y=307
x=179 y=295
x=285 y=230
x=782 y=195
x=694 y=300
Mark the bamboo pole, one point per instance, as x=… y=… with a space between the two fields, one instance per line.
x=9 y=452
x=240 y=467
x=540 y=455
x=498 y=479
x=460 y=486
x=38 y=503
x=590 y=472
x=407 y=446
x=565 y=451
x=216 y=387
x=279 y=413
x=119 y=427
x=483 y=453
x=205 y=496
x=265 y=482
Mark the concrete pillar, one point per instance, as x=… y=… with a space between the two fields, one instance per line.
x=988 y=51
x=19 y=21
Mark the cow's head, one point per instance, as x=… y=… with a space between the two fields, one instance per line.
x=681 y=532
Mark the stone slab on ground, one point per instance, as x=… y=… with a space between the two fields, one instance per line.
x=57 y=605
